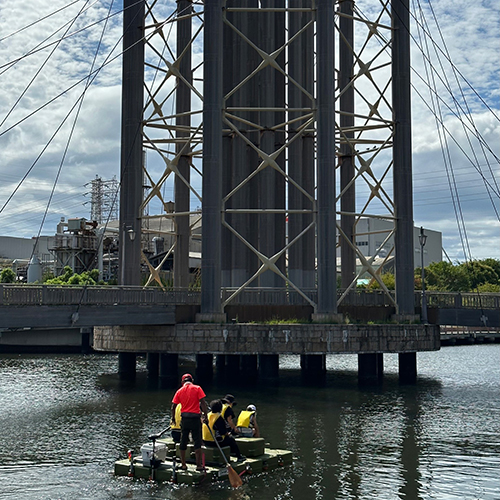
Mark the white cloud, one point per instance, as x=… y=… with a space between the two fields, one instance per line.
x=471 y=32
x=94 y=148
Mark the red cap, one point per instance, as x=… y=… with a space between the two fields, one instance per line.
x=187 y=377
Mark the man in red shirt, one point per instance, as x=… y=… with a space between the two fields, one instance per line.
x=193 y=407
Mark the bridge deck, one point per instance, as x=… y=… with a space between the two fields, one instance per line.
x=38 y=306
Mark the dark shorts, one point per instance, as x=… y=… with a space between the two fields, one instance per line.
x=190 y=425
x=176 y=435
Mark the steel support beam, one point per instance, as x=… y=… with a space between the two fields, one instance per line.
x=402 y=167
x=212 y=160
x=308 y=180
x=301 y=256
x=271 y=183
x=183 y=121
x=326 y=228
x=347 y=186
x=230 y=164
x=131 y=142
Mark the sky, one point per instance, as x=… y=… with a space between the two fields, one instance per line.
x=48 y=157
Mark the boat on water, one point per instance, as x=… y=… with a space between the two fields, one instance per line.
x=160 y=461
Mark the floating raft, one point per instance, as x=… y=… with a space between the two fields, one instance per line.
x=164 y=463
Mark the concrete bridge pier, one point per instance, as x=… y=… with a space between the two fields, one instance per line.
x=249 y=368
x=241 y=366
x=204 y=368
x=220 y=364
x=153 y=364
x=227 y=365
x=126 y=365
x=408 y=367
x=169 y=367
x=313 y=366
x=232 y=365
x=370 y=368
x=269 y=365
x=86 y=339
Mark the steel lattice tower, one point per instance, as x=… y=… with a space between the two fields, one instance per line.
x=103 y=199
x=279 y=117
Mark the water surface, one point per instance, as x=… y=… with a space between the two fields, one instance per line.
x=65 y=419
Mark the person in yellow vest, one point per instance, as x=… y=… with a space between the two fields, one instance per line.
x=219 y=431
x=175 y=424
x=247 y=422
x=228 y=401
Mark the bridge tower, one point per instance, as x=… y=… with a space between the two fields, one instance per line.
x=287 y=121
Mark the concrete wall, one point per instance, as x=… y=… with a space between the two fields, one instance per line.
x=53 y=340
x=202 y=338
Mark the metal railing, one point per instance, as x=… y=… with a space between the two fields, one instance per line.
x=459 y=300
x=53 y=295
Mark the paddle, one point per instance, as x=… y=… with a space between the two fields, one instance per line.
x=154 y=437
x=234 y=477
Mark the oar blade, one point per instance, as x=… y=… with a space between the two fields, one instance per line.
x=234 y=477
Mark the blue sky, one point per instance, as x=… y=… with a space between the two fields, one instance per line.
x=471 y=34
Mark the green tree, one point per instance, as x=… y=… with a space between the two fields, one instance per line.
x=7 y=275
x=70 y=278
x=494 y=264
x=445 y=277
x=481 y=273
x=388 y=279
x=488 y=288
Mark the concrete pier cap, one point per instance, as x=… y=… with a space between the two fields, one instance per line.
x=246 y=338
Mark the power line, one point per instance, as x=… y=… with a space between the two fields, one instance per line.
x=92 y=74
x=23 y=93
x=66 y=37
x=38 y=20
x=68 y=142
x=39 y=47
x=471 y=119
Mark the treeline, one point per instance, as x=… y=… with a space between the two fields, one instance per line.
x=475 y=276
x=68 y=277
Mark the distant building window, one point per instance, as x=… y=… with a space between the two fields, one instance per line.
x=362 y=243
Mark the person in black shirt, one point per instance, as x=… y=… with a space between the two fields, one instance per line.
x=228 y=401
x=219 y=431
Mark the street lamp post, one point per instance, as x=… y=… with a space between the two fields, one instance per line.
x=422 y=238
